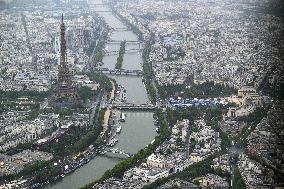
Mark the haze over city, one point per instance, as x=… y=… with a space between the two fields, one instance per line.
x=114 y=94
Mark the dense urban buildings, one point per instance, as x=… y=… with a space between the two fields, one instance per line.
x=141 y=94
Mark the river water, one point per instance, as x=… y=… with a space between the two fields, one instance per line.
x=138 y=130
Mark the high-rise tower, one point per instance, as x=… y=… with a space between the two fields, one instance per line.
x=64 y=94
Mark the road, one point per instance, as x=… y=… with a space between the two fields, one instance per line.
x=234 y=151
x=95 y=103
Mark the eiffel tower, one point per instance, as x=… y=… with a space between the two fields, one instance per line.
x=64 y=94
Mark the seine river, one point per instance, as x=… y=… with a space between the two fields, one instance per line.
x=139 y=129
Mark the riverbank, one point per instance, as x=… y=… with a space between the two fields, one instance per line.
x=148 y=78
x=130 y=26
x=112 y=93
x=138 y=124
x=78 y=138
x=106 y=120
x=124 y=165
x=121 y=167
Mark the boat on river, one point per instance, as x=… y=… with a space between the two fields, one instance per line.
x=122 y=117
x=112 y=142
x=118 y=129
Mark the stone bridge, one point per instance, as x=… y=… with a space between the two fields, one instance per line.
x=120 y=71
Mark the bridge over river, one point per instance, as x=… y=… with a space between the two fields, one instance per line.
x=138 y=123
x=131 y=106
x=98 y=11
x=120 y=71
x=120 y=29
x=111 y=42
x=128 y=51
x=116 y=153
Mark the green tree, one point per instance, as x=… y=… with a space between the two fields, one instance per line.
x=238 y=182
x=85 y=93
x=118 y=64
